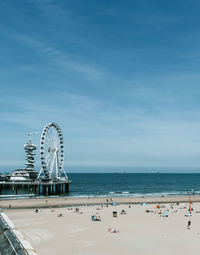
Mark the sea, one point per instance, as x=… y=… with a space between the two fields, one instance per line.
x=134 y=184
x=128 y=184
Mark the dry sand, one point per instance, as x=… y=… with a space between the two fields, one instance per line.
x=139 y=233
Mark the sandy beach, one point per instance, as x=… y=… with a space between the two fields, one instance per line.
x=74 y=201
x=142 y=229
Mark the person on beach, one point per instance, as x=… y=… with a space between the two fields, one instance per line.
x=113 y=230
x=189 y=224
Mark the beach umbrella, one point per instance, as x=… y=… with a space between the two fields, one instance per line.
x=114 y=203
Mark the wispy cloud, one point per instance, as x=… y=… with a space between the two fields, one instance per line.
x=122 y=82
x=122 y=137
x=60 y=58
x=51 y=8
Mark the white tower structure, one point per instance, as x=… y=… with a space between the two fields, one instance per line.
x=28 y=173
x=29 y=149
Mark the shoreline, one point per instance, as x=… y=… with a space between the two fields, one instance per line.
x=32 y=203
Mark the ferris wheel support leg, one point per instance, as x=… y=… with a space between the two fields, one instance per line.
x=64 y=173
x=39 y=174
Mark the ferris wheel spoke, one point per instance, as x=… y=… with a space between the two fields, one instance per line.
x=56 y=158
x=49 y=158
x=52 y=163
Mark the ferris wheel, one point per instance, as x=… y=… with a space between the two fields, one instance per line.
x=52 y=152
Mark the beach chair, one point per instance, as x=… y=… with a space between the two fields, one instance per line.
x=114 y=213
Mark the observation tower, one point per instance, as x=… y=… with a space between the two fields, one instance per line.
x=29 y=148
x=28 y=173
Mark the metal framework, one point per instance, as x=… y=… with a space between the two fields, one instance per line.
x=29 y=149
x=52 y=152
x=9 y=242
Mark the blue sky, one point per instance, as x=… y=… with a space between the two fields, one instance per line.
x=121 y=78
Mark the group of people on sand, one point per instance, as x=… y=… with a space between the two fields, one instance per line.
x=123 y=212
x=158 y=210
x=107 y=200
x=96 y=217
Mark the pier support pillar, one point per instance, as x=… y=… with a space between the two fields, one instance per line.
x=47 y=190
x=31 y=189
x=67 y=187
x=56 y=187
x=44 y=189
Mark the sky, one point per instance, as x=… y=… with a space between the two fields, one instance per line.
x=121 y=78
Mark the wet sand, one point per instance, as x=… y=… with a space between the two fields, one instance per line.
x=71 y=201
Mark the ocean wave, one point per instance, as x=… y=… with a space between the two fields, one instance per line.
x=22 y=196
x=133 y=194
x=104 y=194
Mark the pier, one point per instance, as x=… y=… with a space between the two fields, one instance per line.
x=37 y=187
x=52 y=178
